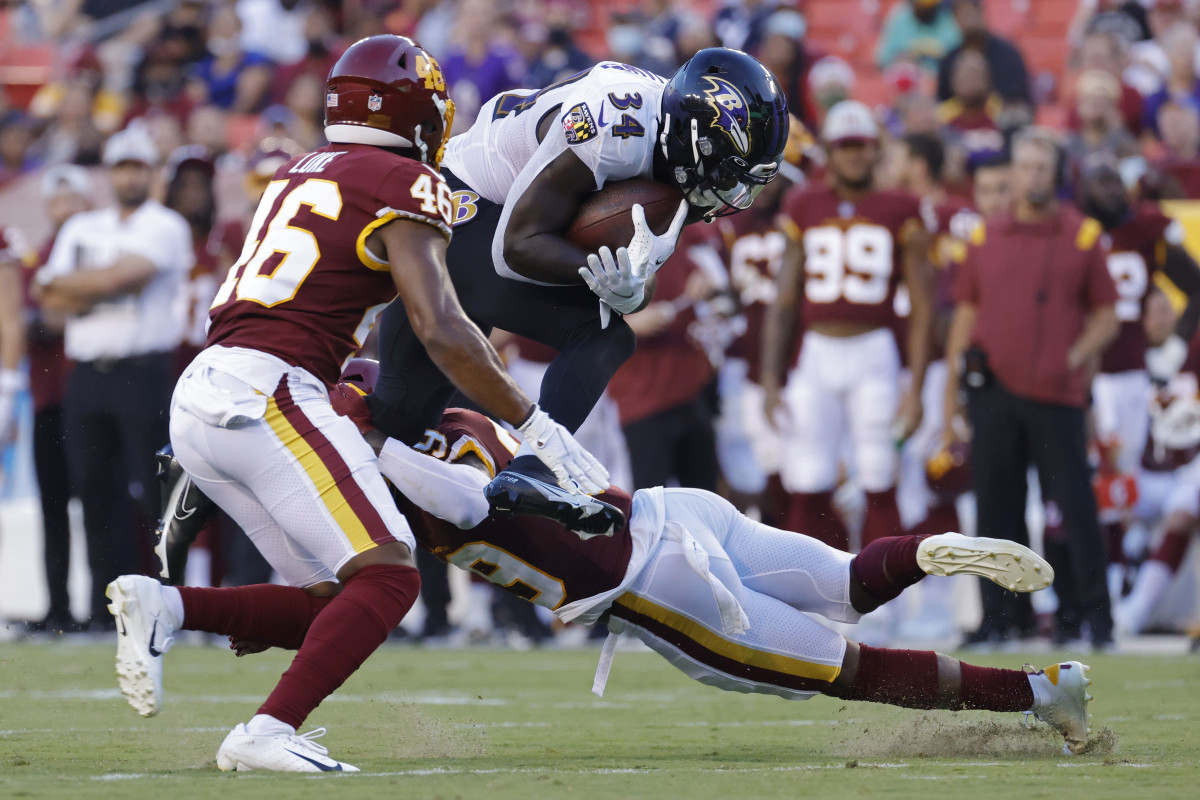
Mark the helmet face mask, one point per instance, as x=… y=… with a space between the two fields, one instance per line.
x=724 y=127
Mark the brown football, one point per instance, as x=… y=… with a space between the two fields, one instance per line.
x=606 y=218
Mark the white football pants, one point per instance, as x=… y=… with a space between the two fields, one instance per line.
x=1121 y=408
x=299 y=479
x=842 y=384
x=680 y=604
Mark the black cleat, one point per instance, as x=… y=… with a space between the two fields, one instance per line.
x=185 y=511
x=529 y=488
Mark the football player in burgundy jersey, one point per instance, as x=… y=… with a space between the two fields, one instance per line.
x=1168 y=479
x=752 y=246
x=1143 y=242
x=337 y=235
x=853 y=244
x=719 y=596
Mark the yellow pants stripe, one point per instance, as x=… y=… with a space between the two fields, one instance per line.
x=724 y=647
x=319 y=474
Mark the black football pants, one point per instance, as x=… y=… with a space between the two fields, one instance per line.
x=54 y=490
x=1010 y=433
x=115 y=418
x=412 y=393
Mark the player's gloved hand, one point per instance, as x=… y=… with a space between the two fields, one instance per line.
x=619 y=285
x=576 y=469
x=647 y=250
x=1164 y=362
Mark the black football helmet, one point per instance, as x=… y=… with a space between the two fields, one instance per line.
x=723 y=130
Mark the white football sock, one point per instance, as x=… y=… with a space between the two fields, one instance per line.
x=174 y=601
x=266 y=725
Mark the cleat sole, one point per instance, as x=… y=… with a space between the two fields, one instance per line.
x=1005 y=563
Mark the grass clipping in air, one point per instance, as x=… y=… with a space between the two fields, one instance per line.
x=945 y=734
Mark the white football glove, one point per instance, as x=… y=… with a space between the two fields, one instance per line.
x=620 y=281
x=617 y=283
x=576 y=469
x=648 y=251
x=1164 y=362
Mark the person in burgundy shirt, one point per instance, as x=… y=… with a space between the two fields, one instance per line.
x=662 y=391
x=1035 y=309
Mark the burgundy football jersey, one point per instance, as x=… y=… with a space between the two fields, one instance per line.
x=306 y=287
x=853 y=252
x=534 y=558
x=753 y=249
x=1136 y=252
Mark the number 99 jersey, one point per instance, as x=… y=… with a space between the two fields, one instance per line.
x=306 y=287
x=853 y=252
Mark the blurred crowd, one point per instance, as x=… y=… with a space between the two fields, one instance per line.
x=212 y=96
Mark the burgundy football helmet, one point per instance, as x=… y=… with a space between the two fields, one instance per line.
x=948 y=471
x=361 y=372
x=388 y=91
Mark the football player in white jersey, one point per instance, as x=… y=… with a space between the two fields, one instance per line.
x=716 y=130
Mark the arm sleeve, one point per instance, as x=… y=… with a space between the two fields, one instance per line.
x=453 y=492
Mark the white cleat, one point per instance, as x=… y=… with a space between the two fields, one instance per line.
x=1008 y=564
x=144 y=633
x=277 y=752
x=1061 y=700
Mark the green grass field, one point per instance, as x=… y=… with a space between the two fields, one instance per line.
x=502 y=724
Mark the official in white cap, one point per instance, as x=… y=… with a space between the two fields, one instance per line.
x=119 y=275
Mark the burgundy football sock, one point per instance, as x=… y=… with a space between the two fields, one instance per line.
x=990 y=689
x=938 y=519
x=909 y=678
x=374 y=601
x=882 y=518
x=812 y=514
x=884 y=569
x=906 y=678
x=278 y=616
x=1172 y=549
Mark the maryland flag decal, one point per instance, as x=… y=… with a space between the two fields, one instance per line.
x=578 y=125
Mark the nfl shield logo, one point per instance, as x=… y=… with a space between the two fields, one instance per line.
x=374 y=102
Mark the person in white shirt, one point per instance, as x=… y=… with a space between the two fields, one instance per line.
x=119 y=274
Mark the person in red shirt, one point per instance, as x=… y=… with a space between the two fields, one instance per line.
x=1034 y=311
x=852 y=245
x=339 y=233
x=663 y=392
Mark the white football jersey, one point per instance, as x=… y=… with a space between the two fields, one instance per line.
x=607 y=115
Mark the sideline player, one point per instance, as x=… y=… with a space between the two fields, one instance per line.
x=723 y=598
x=1143 y=242
x=852 y=245
x=338 y=233
x=716 y=130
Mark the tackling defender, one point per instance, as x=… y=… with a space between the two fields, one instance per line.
x=716 y=130
x=339 y=233
x=721 y=597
